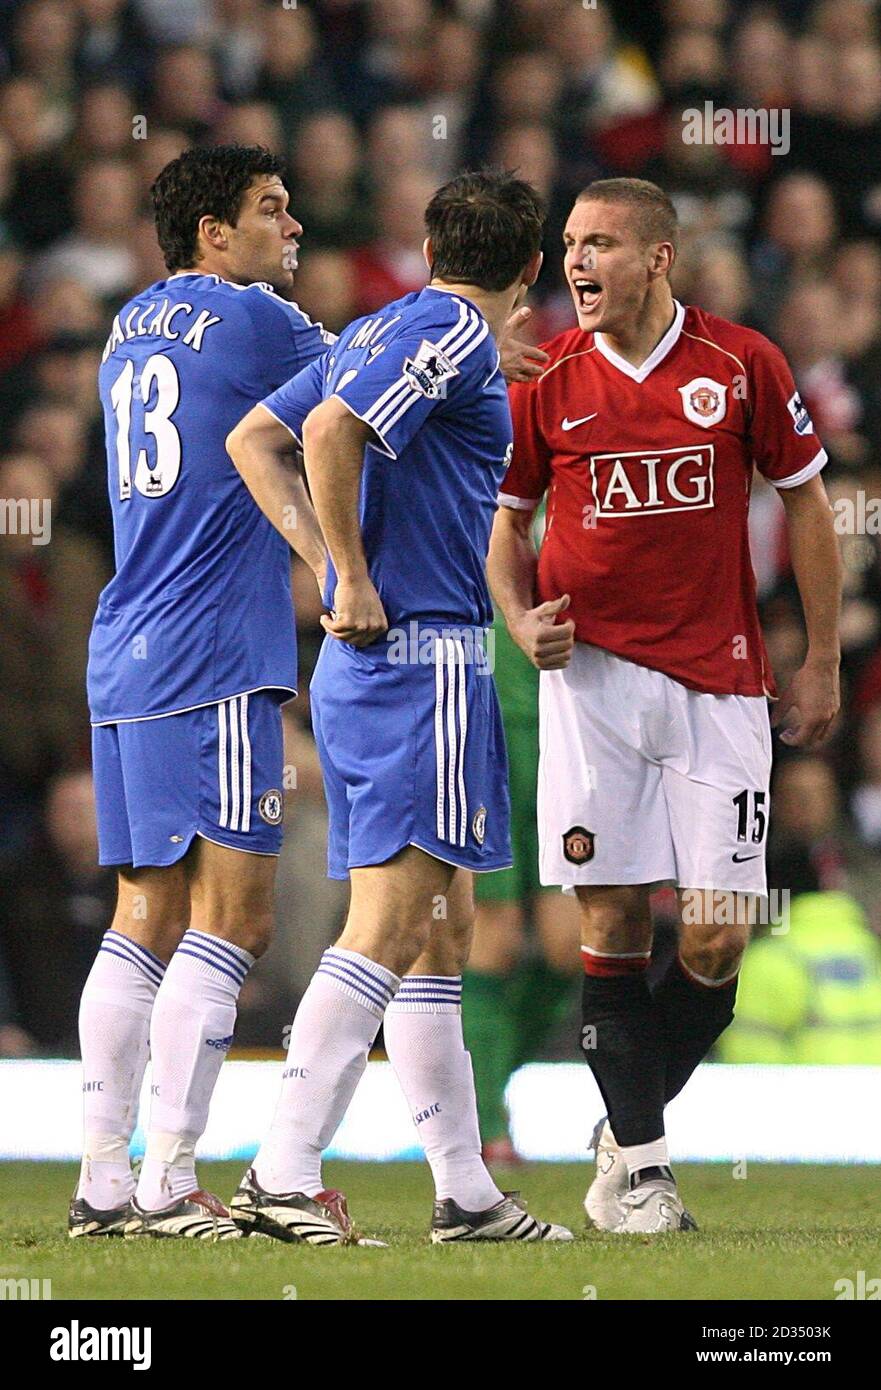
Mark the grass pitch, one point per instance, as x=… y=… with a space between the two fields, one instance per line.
x=783 y=1232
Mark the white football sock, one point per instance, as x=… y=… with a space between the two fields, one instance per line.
x=114 y=1026
x=653 y=1155
x=334 y=1027
x=423 y=1039
x=190 y=1034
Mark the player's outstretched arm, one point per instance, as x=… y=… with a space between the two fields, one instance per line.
x=511 y=568
x=810 y=703
x=521 y=361
x=333 y=448
x=265 y=455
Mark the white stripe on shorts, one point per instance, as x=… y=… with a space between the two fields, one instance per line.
x=450 y=661
x=439 y=740
x=450 y=732
x=463 y=731
x=246 y=766
x=221 y=763
x=234 y=764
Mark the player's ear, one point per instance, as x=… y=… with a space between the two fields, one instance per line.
x=662 y=258
x=533 y=269
x=214 y=232
x=428 y=252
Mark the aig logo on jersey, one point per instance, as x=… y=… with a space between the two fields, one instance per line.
x=429 y=371
x=271 y=807
x=704 y=401
x=641 y=483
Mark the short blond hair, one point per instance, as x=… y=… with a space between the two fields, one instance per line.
x=654 y=208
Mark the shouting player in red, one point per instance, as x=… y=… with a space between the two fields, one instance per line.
x=641 y=614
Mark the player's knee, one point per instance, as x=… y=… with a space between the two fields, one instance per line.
x=246 y=920
x=716 y=952
x=614 y=919
x=393 y=943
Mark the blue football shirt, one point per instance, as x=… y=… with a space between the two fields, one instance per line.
x=199 y=609
x=424 y=374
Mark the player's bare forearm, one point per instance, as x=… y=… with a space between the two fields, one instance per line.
x=811 y=702
x=265 y=455
x=511 y=570
x=816 y=563
x=512 y=562
x=333 y=449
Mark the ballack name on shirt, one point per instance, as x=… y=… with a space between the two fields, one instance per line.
x=161 y=321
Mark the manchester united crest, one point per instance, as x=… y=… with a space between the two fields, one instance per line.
x=704 y=401
x=578 y=845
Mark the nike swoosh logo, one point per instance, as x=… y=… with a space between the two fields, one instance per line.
x=570 y=424
x=742 y=858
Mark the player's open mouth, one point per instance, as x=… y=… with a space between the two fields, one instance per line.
x=589 y=294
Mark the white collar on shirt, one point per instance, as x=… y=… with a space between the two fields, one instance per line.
x=655 y=357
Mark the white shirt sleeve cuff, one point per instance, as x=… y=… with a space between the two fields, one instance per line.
x=817 y=462
x=520 y=504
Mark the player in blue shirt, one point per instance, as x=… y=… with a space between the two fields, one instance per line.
x=407 y=434
x=192 y=653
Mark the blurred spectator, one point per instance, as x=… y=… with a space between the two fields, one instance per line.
x=50 y=578
x=393 y=265
x=64 y=922
x=866 y=799
x=38 y=207
x=112 y=43
x=44 y=41
x=251 y=123
x=185 y=91
x=857 y=275
x=603 y=79
x=18 y=327
x=329 y=193
x=808 y=824
x=810 y=331
x=98 y=251
x=717 y=278
x=798 y=237
x=452 y=67
x=104 y=123
x=327 y=288
x=293 y=78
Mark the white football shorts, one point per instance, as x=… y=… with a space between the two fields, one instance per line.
x=642 y=780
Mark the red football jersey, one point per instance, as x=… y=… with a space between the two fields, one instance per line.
x=649 y=472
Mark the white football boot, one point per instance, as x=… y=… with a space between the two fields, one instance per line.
x=603 y=1200
x=652 y=1207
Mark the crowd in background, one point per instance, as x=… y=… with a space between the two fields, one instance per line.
x=374 y=103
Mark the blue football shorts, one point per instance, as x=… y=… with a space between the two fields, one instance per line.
x=412 y=751
x=215 y=772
